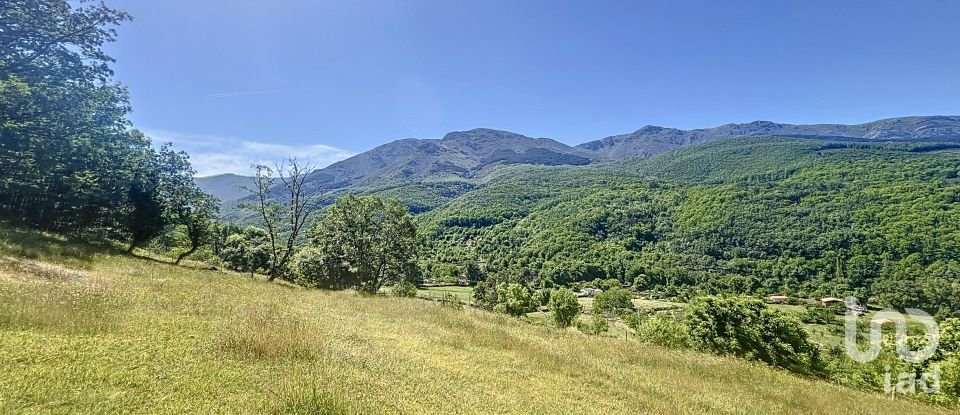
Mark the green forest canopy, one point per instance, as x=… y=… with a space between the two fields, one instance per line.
x=749 y=215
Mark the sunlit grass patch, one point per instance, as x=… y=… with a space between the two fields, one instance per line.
x=45 y=296
x=316 y=399
x=267 y=333
x=71 y=309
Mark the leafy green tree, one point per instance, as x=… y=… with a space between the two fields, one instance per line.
x=816 y=314
x=746 y=327
x=311 y=269
x=633 y=320
x=199 y=218
x=949 y=338
x=220 y=232
x=615 y=301
x=474 y=273
x=172 y=198
x=485 y=294
x=445 y=273
x=564 y=307
x=145 y=218
x=247 y=251
x=68 y=160
x=513 y=299
x=41 y=37
x=366 y=242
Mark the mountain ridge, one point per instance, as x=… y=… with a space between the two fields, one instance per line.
x=469 y=154
x=458 y=153
x=651 y=140
x=225 y=187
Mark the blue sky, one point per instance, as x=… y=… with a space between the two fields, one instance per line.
x=238 y=81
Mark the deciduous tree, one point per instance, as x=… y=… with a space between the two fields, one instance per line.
x=366 y=242
x=283 y=209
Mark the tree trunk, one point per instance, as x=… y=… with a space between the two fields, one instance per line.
x=185 y=254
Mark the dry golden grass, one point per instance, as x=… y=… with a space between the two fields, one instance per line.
x=127 y=335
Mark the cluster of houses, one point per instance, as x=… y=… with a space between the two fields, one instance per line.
x=856 y=309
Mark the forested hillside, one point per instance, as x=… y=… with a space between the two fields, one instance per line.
x=751 y=215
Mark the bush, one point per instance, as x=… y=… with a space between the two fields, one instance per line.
x=541 y=297
x=512 y=299
x=404 y=288
x=662 y=330
x=613 y=302
x=632 y=320
x=564 y=307
x=747 y=328
x=949 y=337
x=247 y=251
x=309 y=269
x=818 y=315
x=608 y=284
x=596 y=326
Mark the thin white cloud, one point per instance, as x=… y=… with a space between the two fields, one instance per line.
x=211 y=155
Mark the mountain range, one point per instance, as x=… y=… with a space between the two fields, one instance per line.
x=652 y=140
x=469 y=154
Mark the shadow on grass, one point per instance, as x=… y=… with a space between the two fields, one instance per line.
x=33 y=244
x=75 y=251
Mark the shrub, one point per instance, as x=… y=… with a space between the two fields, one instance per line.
x=632 y=320
x=541 y=297
x=595 y=326
x=310 y=269
x=512 y=299
x=746 y=327
x=247 y=251
x=662 y=330
x=564 y=307
x=404 y=288
x=818 y=315
x=613 y=302
x=949 y=337
x=608 y=284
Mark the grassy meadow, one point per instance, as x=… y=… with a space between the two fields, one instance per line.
x=90 y=330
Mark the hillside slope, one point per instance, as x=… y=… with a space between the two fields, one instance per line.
x=427 y=172
x=747 y=215
x=225 y=187
x=85 y=331
x=459 y=154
